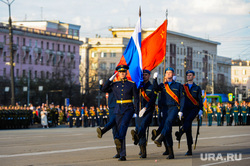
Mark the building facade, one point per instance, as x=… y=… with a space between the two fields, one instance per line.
x=241 y=77
x=42 y=50
x=199 y=54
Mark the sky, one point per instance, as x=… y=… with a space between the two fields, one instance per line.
x=224 y=21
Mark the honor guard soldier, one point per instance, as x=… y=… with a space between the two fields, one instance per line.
x=86 y=117
x=145 y=115
x=71 y=115
x=100 y=113
x=193 y=107
x=124 y=90
x=228 y=114
x=210 y=114
x=93 y=116
x=244 y=111
x=236 y=113
x=112 y=122
x=173 y=100
x=219 y=112
x=78 y=117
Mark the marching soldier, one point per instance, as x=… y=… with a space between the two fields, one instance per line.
x=93 y=116
x=123 y=90
x=219 y=112
x=145 y=115
x=228 y=113
x=236 y=113
x=173 y=100
x=78 y=116
x=210 y=114
x=244 y=111
x=86 y=117
x=193 y=107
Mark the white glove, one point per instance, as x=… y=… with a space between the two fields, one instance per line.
x=238 y=114
x=215 y=114
x=112 y=77
x=220 y=115
x=212 y=115
x=247 y=114
x=200 y=113
x=161 y=114
x=233 y=114
x=174 y=78
x=141 y=113
x=155 y=75
x=101 y=82
x=180 y=115
x=230 y=115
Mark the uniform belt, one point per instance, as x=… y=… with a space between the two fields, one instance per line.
x=124 y=101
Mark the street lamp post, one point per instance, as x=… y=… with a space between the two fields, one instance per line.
x=212 y=72
x=185 y=63
x=11 y=53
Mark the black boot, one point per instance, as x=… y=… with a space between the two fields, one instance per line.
x=118 y=153
x=118 y=143
x=158 y=142
x=143 y=151
x=166 y=149
x=178 y=134
x=171 y=152
x=135 y=137
x=155 y=134
x=100 y=131
x=122 y=158
x=189 y=152
x=140 y=151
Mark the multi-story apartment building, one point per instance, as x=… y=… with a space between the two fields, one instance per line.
x=200 y=55
x=42 y=49
x=241 y=77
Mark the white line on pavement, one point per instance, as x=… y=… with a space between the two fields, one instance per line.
x=102 y=147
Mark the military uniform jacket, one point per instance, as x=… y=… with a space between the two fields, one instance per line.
x=149 y=91
x=236 y=109
x=195 y=91
x=166 y=99
x=244 y=109
x=123 y=90
x=228 y=110
x=111 y=98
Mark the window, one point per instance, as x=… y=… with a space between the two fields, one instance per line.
x=4 y=56
x=76 y=32
x=74 y=49
x=172 y=60
x=177 y=50
x=17 y=41
x=245 y=80
x=93 y=66
x=103 y=66
x=166 y=48
x=69 y=48
x=112 y=66
x=177 y=71
x=184 y=51
x=4 y=39
x=42 y=44
x=4 y=72
x=93 y=55
x=36 y=43
x=24 y=42
x=180 y=73
x=172 y=48
x=30 y=42
x=30 y=59
x=181 y=51
x=47 y=75
x=41 y=59
x=64 y=48
x=53 y=46
x=236 y=80
x=244 y=72
x=47 y=45
x=42 y=74
x=70 y=31
x=17 y=73
x=113 y=54
x=35 y=74
x=24 y=73
x=177 y=61
x=103 y=54
x=58 y=47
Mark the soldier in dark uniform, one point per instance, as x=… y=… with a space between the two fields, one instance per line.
x=236 y=113
x=93 y=116
x=86 y=117
x=111 y=123
x=219 y=112
x=173 y=100
x=193 y=107
x=78 y=116
x=228 y=113
x=123 y=90
x=244 y=112
x=210 y=114
x=148 y=97
x=100 y=114
x=71 y=114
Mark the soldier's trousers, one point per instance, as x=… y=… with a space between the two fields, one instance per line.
x=122 y=123
x=143 y=124
x=189 y=116
x=228 y=118
x=86 y=124
x=244 y=118
x=236 y=121
x=210 y=119
x=172 y=112
x=112 y=123
x=70 y=121
x=218 y=119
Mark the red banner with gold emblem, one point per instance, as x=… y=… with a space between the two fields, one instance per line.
x=171 y=93
x=190 y=96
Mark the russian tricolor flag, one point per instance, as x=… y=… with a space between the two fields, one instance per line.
x=132 y=56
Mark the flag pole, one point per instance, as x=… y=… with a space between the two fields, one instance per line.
x=166 y=39
x=140 y=88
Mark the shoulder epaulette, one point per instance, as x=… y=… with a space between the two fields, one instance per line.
x=131 y=81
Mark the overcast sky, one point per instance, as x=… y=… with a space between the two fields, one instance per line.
x=224 y=21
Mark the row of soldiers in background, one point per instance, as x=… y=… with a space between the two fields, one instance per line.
x=239 y=114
